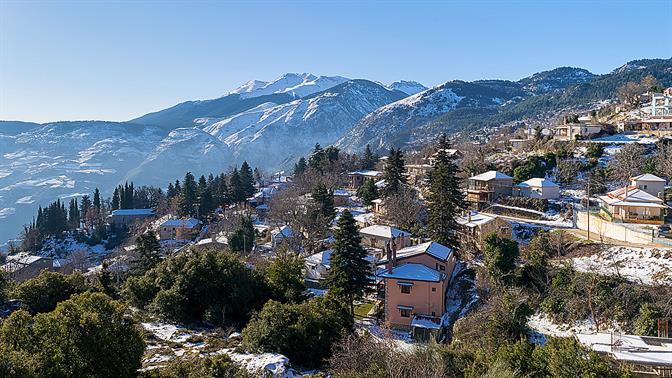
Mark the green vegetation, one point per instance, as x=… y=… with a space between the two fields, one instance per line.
x=44 y=292
x=87 y=335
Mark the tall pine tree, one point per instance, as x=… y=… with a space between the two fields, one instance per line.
x=148 y=253
x=96 y=199
x=205 y=201
x=445 y=200
x=300 y=167
x=395 y=172
x=236 y=187
x=349 y=274
x=116 y=200
x=246 y=181
x=324 y=198
x=189 y=197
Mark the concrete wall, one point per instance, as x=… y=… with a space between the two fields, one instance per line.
x=618 y=231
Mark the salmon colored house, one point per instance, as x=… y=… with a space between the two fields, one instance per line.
x=415 y=282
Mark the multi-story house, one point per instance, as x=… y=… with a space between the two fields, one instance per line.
x=488 y=187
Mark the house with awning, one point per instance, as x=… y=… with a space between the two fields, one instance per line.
x=632 y=205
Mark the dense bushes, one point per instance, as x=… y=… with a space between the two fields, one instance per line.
x=303 y=332
x=219 y=366
x=85 y=336
x=211 y=286
x=42 y=293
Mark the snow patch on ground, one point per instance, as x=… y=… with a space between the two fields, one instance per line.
x=542 y=326
x=647 y=266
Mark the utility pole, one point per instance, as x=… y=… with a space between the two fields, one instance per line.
x=588 y=204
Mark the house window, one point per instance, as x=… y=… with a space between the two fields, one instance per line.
x=405 y=313
x=405 y=289
x=433 y=313
x=442 y=267
x=433 y=289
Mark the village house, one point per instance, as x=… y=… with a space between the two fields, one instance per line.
x=378 y=236
x=178 y=229
x=644 y=356
x=417 y=173
x=632 y=205
x=475 y=226
x=649 y=183
x=659 y=126
x=281 y=235
x=23 y=266
x=378 y=206
x=576 y=130
x=317 y=265
x=414 y=289
x=357 y=178
x=127 y=217
x=341 y=197
x=488 y=187
x=541 y=188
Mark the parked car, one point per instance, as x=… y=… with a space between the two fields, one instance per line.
x=665 y=230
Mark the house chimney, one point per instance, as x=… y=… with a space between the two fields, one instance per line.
x=388 y=250
x=394 y=252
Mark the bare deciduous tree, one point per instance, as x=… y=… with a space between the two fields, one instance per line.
x=404 y=209
x=628 y=162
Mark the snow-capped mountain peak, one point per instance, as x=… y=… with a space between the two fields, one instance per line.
x=408 y=87
x=296 y=84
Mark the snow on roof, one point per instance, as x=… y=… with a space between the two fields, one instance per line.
x=283 y=231
x=648 y=177
x=429 y=322
x=341 y=192
x=324 y=258
x=366 y=172
x=537 y=182
x=490 y=175
x=122 y=212
x=186 y=223
x=476 y=219
x=415 y=272
x=263 y=206
x=383 y=231
x=644 y=350
x=434 y=249
x=630 y=196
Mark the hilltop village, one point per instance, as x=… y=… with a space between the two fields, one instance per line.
x=543 y=249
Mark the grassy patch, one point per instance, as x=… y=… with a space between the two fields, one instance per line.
x=362 y=309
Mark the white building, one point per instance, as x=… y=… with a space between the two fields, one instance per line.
x=537 y=188
x=649 y=183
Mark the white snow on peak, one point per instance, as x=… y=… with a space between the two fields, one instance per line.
x=408 y=87
x=427 y=103
x=298 y=85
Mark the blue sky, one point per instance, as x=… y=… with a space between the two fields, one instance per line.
x=117 y=60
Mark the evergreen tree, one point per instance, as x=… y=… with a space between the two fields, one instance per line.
x=205 y=201
x=73 y=214
x=96 y=199
x=316 y=158
x=394 y=173
x=242 y=239
x=368 y=192
x=170 y=192
x=246 y=181
x=235 y=187
x=148 y=253
x=178 y=187
x=116 y=200
x=222 y=192
x=349 y=274
x=85 y=206
x=369 y=160
x=257 y=177
x=324 y=198
x=300 y=167
x=189 y=197
x=500 y=257
x=445 y=200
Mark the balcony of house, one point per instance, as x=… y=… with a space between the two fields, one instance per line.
x=633 y=215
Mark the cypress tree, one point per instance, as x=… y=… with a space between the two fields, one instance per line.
x=205 y=201
x=96 y=199
x=445 y=199
x=349 y=274
x=189 y=198
x=235 y=187
x=85 y=206
x=116 y=199
x=369 y=160
x=246 y=181
x=73 y=214
x=394 y=173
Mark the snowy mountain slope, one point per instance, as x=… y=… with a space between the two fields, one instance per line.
x=16 y=127
x=408 y=87
x=297 y=85
x=62 y=159
x=395 y=123
x=266 y=135
x=557 y=79
x=184 y=114
x=183 y=150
